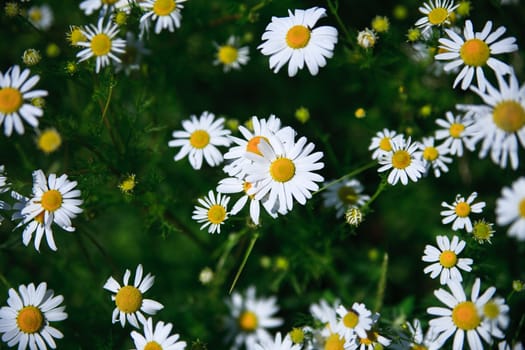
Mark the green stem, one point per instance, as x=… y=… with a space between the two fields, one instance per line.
x=243 y=263
x=5 y=281
x=334 y=6
x=350 y=174
x=381 y=285
x=380 y=188
x=104 y=118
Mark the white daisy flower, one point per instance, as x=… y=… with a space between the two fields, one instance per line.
x=236 y=185
x=354 y=321
x=284 y=171
x=500 y=123
x=15 y=92
x=402 y=161
x=474 y=51
x=231 y=55
x=129 y=299
x=200 y=138
x=250 y=317
x=90 y=6
x=166 y=13
x=510 y=209
x=292 y=39
x=496 y=312
x=461 y=316
x=344 y=195
x=101 y=44
x=433 y=157
x=40 y=16
x=455 y=133
x=157 y=337
x=436 y=13
x=54 y=200
x=372 y=341
x=214 y=211
x=326 y=315
x=279 y=343
x=4 y=187
x=445 y=260
x=367 y=38
x=26 y=319
x=262 y=129
x=381 y=143
x=420 y=341
x=459 y=211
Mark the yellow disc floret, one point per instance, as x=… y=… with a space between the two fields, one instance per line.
x=199 y=139
x=401 y=159
x=462 y=209
x=298 y=37
x=334 y=342
x=475 y=52
x=465 y=316
x=227 y=54
x=430 y=153
x=152 y=345
x=456 y=129
x=10 y=100
x=253 y=144
x=164 y=7
x=51 y=200
x=216 y=214
x=522 y=208
x=128 y=299
x=282 y=169
x=448 y=259
x=385 y=144
x=438 y=16
x=509 y=116
x=347 y=195
x=101 y=44
x=248 y=321
x=30 y=319
x=351 y=319
x=49 y=140
x=491 y=310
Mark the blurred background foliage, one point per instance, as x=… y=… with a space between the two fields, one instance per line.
x=300 y=257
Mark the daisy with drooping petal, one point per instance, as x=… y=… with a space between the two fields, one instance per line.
x=200 y=138
x=510 y=209
x=279 y=343
x=166 y=13
x=445 y=260
x=129 y=299
x=474 y=51
x=231 y=55
x=461 y=316
x=402 y=161
x=459 y=211
x=437 y=13
x=381 y=143
x=344 y=195
x=105 y=6
x=262 y=129
x=26 y=319
x=496 y=312
x=101 y=44
x=283 y=170
x=236 y=185
x=455 y=133
x=433 y=157
x=354 y=321
x=326 y=314
x=54 y=200
x=250 y=317
x=500 y=123
x=213 y=212
x=15 y=91
x=293 y=40
x=157 y=337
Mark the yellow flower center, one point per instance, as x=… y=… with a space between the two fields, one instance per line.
x=438 y=15
x=51 y=200
x=35 y=15
x=76 y=36
x=248 y=321
x=49 y=141
x=491 y=310
x=10 y=100
x=430 y=153
x=401 y=159
x=152 y=345
x=227 y=54
x=448 y=259
x=164 y=7
x=462 y=209
x=100 y=44
x=347 y=195
x=385 y=144
x=474 y=52
x=253 y=144
x=456 y=129
x=482 y=231
x=128 y=184
x=509 y=116
x=418 y=347
x=128 y=299
x=351 y=319
x=109 y=2
x=334 y=342
x=297 y=335
x=522 y=208
x=199 y=139
x=216 y=214
x=40 y=217
x=465 y=316
x=30 y=319
x=282 y=169
x=298 y=36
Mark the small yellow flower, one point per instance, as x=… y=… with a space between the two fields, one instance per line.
x=518 y=285
x=297 y=335
x=413 y=34
x=400 y=12
x=52 y=50
x=360 y=113
x=464 y=8
x=38 y=102
x=482 y=231
x=302 y=114
x=249 y=124
x=425 y=111
x=128 y=184
x=75 y=35
x=71 y=67
x=121 y=18
x=380 y=24
x=49 y=140
x=232 y=124
x=11 y=9
x=281 y=263
x=31 y=57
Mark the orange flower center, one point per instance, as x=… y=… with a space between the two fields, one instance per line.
x=282 y=169
x=248 y=321
x=128 y=299
x=10 y=100
x=509 y=116
x=465 y=316
x=199 y=139
x=51 y=200
x=475 y=52
x=164 y=7
x=401 y=159
x=30 y=319
x=298 y=37
x=448 y=259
